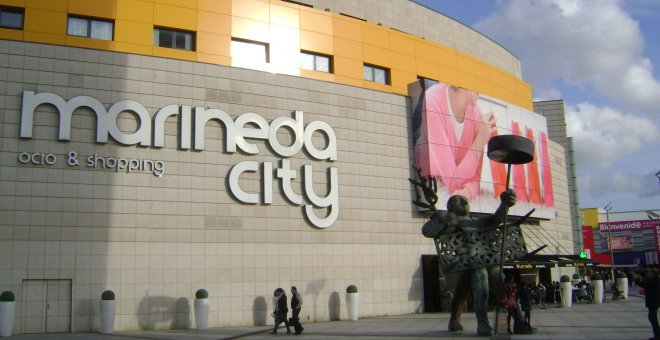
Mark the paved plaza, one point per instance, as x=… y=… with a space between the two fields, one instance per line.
x=622 y=319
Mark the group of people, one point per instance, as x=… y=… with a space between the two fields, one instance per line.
x=518 y=298
x=281 y=310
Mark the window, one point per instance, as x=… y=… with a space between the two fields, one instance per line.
x=376 y=74
x=11 y=18
x=315 y=62
x=249 y=51
x=90 y=28
x=169 y=38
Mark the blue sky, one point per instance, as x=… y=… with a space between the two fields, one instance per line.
x=602 y=58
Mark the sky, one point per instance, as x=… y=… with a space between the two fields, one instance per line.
x=602 y=57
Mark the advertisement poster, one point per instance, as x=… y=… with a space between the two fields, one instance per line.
x=622 y=242
x=636 y=235
x=451 y=129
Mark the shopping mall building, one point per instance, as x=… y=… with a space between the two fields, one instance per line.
x=156 y=147
x=631 y=238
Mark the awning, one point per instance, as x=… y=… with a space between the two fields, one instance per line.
x=549 y=261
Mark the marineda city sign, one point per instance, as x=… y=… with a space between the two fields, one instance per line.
x=248 y=126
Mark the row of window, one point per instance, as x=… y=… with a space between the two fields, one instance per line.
x=12 y=18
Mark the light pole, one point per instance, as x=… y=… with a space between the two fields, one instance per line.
x=607 y=208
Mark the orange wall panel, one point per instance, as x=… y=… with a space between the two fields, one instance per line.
x=402 y=62
x=134 y=10
x=251 y=9
x=376 y=86
x=96 y=8
x=484 y=71
x=466 y=80
x=400 y=79
x=179 y=3
x=250 y=29
x=175 y=17
x=465 y=64
x=402 y=44
x=47 y=38
x=133 y=48
x=134 y=32
x=424 y=50
x=348 y=67
x=426 y=68
x=346 y=28
x=174 y=53
x=45 y=21
x=316 y=22
x=347 y=48
x=90 y=43
x=349 y=80
x=446 y=57
x=375 y=35
x=216 y=6
x=213 y=23
x=317 y=75
x=316 y=42
x=447 y=75
x=213 y=59
x=53 y=5
x=376 y=55
x=216 y=44
x=14 y=3
x=284 y=16
x=11 y=34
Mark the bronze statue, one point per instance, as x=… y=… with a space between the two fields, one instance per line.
x=470 y=247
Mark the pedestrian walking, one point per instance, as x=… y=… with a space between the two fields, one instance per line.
x=280 y=311
x=296 y=306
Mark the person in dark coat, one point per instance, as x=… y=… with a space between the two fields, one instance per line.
x=526 y=302
x=281 y=311
x=651 y=285
x=296 y=306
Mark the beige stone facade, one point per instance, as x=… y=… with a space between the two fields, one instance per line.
x=155 y=241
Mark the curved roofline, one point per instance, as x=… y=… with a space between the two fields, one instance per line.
x=465 y=25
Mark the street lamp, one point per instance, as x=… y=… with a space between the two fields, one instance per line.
x=607 y=208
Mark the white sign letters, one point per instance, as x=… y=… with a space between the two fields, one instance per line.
x=239 y=134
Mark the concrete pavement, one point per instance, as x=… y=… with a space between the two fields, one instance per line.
x=622 y=319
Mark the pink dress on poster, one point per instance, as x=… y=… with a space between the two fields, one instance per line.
x=439 y=152
x=519 y=176
x=546 y=176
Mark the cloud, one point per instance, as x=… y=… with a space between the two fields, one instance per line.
x=593 y=44
x=602 y=135
x=600 y=184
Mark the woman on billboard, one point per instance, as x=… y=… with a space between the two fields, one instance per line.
x=452 y=137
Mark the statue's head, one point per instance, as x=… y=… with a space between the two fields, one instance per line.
x=459 y=205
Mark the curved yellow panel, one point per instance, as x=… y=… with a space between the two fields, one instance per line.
x=286 y=28
x=96 y=8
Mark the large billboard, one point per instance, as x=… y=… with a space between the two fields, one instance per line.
x=451 y=128
x=639 y=235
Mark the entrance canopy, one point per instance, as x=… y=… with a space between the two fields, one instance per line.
x=550 y=261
